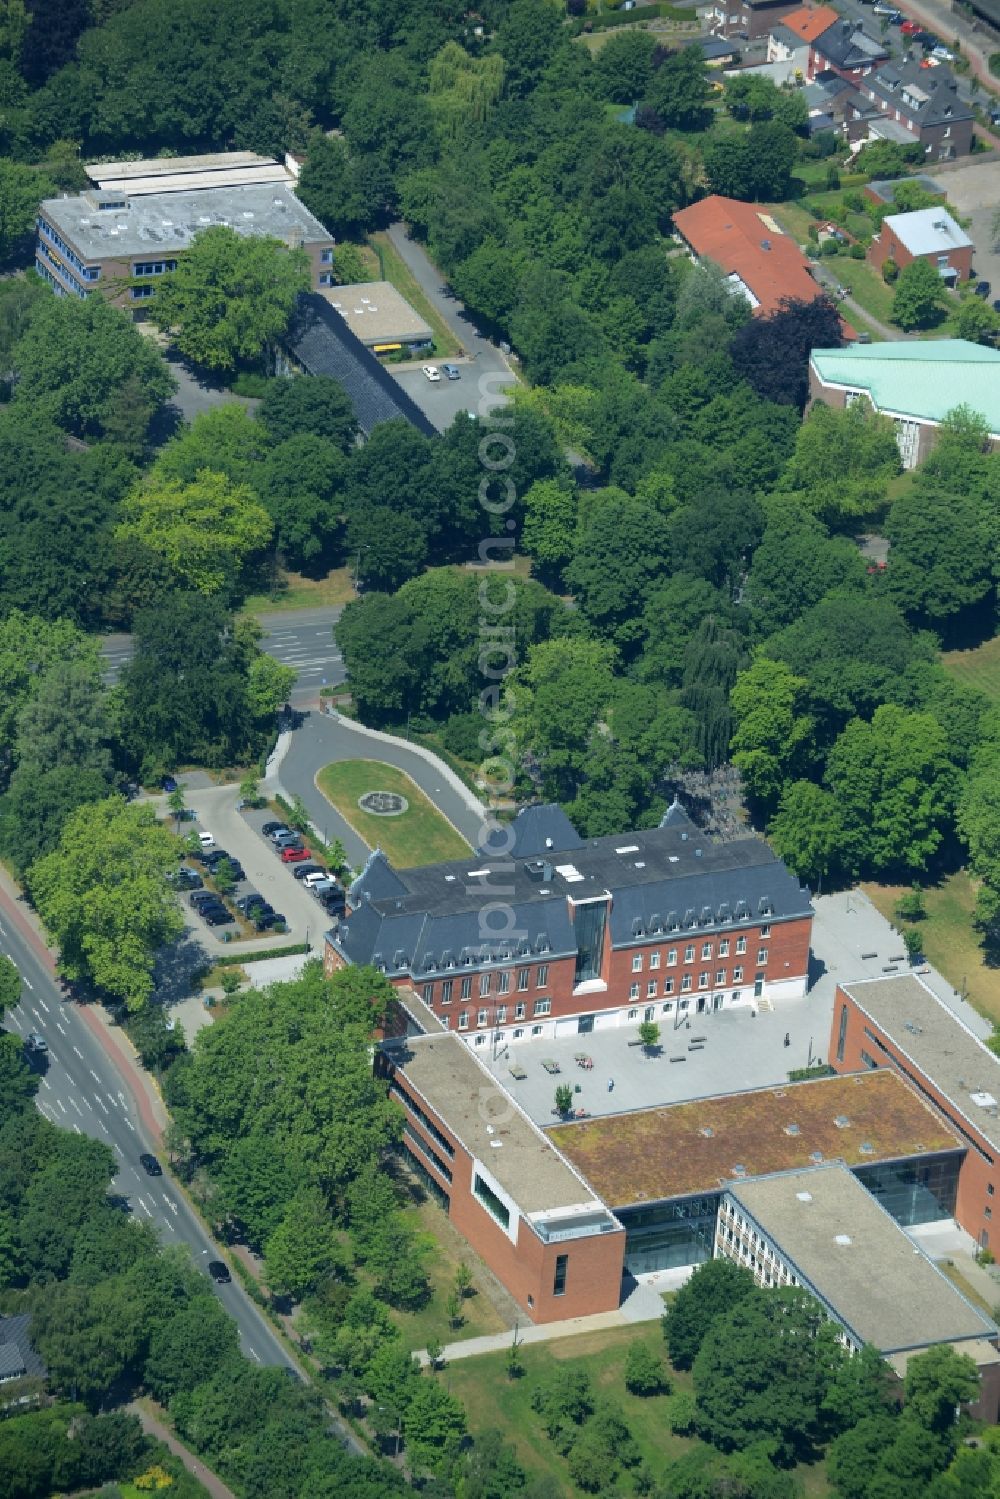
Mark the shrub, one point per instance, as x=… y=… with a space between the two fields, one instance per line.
x=995 y=64
x=890 y=271
x=857 y=252
x=644 y=1372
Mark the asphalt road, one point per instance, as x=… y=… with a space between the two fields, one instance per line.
x=303 y=639
x=84 y=1090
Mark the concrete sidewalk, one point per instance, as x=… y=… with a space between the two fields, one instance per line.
x=643 y=1303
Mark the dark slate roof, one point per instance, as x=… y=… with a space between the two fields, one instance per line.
x=849 y=46
x=539 y=829
x=662 y=880
x=816 y=123
x=927 y=96
x=378 y=878
x=17 y=1357
x=322 y=343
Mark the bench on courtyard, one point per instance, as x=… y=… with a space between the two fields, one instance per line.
x=678 y=1059
x=517 y=1072
x=552 y=1067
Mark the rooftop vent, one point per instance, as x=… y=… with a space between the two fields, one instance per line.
x=707 y=1131
x=816 y=1156
x=842 y=1121
x=739 y=1170
x=792 y=1129
x=984 y=1100
x=628 y=848
x=804 y=1196
x=765 y=244
x=866 y=1148
x=842 y=1239
x=914 y=1030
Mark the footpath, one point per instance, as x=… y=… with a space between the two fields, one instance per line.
x=154 y=1427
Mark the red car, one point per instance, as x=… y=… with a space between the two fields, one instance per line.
x=295 y=855
x=910 y=28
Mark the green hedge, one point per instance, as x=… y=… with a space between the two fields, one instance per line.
x=632 y=17
x=236 y=960
x=803 y=1074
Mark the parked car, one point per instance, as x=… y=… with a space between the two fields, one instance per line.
x=168 y=783
x=295 y=855
x=264 y=920
x=207 y=840
x=287 y=835
x=910 y=28
x=219 y=1272
x=150 y=1164
x=307 y=869
x=36 y=1043
x=217 y=916
x=323 y=887
x=296 y=843
x=202 y=898
x=432 y=372
x=982 y=288
x=944 y=54
x=239 y=873
x=451 y=371
x=996 y=305
x=270 y=828
x=333 y=902
x=186 y=879
x=250 y=899
x=316 y=874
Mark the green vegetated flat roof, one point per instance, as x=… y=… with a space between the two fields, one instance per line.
x=920 y=378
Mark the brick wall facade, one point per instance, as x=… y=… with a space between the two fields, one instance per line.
x=888 y=246
x=525 y=1265
x=860 y=1044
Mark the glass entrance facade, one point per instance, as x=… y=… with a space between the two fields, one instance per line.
x=920 y=1190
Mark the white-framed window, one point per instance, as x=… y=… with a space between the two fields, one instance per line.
x=427 y=994
x=765 y=931
x=446 y=989
x=542 y=1007
x=522 y=979
x=446 y=1021
x=689 y=953
x=519 y=1032
x=463 y=1020
x=671 y=957
x=651 y=989
x=720 y=977
x=633 y=1014
x=706 y=950
x=484 y=984
x=519 y=1012
x=654 y=959
x=762 y=955
x=650 y=1011
x=325 y=278
x=724 y=948
x=503 y=983
x=466 y=989
x=482 y=1017
x=326 y=257
x=633 y=991
x=684 y=1004
x=637 y=962
x=536 y=1030
x=668 y=1007
x=737 y=975
x=741 y=944
x=686 y=982
x=668 y=986
x=703 y=981
x=541 y=975
x=501 y=1014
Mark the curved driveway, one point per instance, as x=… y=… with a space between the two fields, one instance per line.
x=323 y=738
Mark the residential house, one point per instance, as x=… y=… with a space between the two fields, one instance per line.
x=916 y=383
x=845 y=48
x=790 y=39
x=765 y=264
x=749 y=20
x=923 y=105
x=927 y=234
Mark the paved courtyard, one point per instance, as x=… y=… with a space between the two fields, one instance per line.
x=851 y=940
x=974 y=189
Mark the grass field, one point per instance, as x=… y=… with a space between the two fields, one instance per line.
x=949 y=939
x=494 y=1401
x=420 y=835
x=979 y=668
x=398 y=272
x=447 y=1249
x=294 y=591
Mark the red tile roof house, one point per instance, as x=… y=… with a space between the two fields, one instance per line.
x=766 y=264
x=798 y=30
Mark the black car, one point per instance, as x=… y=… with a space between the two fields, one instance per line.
x=203 y=898
x=333 y=901
x=239 y=873
x=168 y=783
x=270 y=828
x=187 y=879
x=264 y=920
x=982 y=288
x=301 y=870
x=217 y=916
x=245 y=902
x=219 y=1272
x=150 y=1164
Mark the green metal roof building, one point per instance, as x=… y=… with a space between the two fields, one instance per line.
x=917 y=383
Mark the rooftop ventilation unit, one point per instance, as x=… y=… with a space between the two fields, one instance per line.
x=816 y=1156
x=629 y=848
x=842 y=1121
x=866 y=1148
x=984 y=1100
x=707 y=1131
x=804 y=1196
x=739 y=1171
x=792 y=1129
x=842 y=1239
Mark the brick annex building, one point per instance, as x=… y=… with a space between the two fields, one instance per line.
x=566 y=936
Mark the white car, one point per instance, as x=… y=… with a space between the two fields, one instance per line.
x=943 y=54
x=316 y=877
x=432 y=372
x=207 y=840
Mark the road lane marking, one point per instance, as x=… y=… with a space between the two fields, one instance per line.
x=78 y=1052
x=130 y=1124
x=103 y=1105
x=61 y=1104
x=171 y=1205
x=112 y=1101
x=93 y=1074
x=46 y=1083
x=78 y=1129
x=254 y=1355
x=61 y=1027
x=142 y=1203
x=31 y=986
x=75 y=1105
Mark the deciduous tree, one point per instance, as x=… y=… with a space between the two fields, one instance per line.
x=206 y=531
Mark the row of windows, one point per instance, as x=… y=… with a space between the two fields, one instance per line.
x=425 y=1119
x=88 y=272
x=707 y=952
x=484 y=984
x=153 y=267
x=687 y=981
x=540 y=1007
x=53 y=281
x=490 y=1201
x=421 y=1144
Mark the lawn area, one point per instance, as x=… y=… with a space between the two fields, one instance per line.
x=395 y=269
x=420 y=835
x=447 y=1250
x=979 y=668
x=493 y=1400
x=294 y=591
x=949 y=939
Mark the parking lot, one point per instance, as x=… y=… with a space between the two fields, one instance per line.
x=239 y=834
x=442 y=400
x=974 y=190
